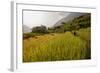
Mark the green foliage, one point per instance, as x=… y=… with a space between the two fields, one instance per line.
x=28 y=35
x=62 y=46
x=80 y=22
x=50 y=30
x=85 y=34
x=39 y=29
x=83 y=21
x=69 y=41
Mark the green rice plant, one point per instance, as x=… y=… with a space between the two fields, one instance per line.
x=62 y=46
x=85 y=34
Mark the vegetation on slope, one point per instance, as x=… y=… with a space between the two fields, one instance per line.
x=69 y=41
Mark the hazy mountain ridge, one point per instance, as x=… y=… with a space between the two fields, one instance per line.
x=65 y=20
x=68 y=18
x=82 y=21
x=26 y=29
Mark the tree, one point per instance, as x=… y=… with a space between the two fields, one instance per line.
x=40 y=29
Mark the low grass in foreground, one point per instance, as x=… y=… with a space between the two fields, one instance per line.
x=57 y=46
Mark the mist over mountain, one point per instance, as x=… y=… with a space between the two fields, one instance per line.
x=66 y=19
x=70 y=17
x=26 y=29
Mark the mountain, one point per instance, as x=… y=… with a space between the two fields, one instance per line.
x=82 y=21
x=70 y=17
x=26 y=29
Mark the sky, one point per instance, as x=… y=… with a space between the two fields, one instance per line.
x=38 y=18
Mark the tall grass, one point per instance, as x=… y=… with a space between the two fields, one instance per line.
x=85 y=34
x=59 y=46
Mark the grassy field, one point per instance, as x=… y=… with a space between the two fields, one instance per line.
x=58 y=46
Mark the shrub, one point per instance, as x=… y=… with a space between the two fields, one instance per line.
x=40 y=29
x=28 y=35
